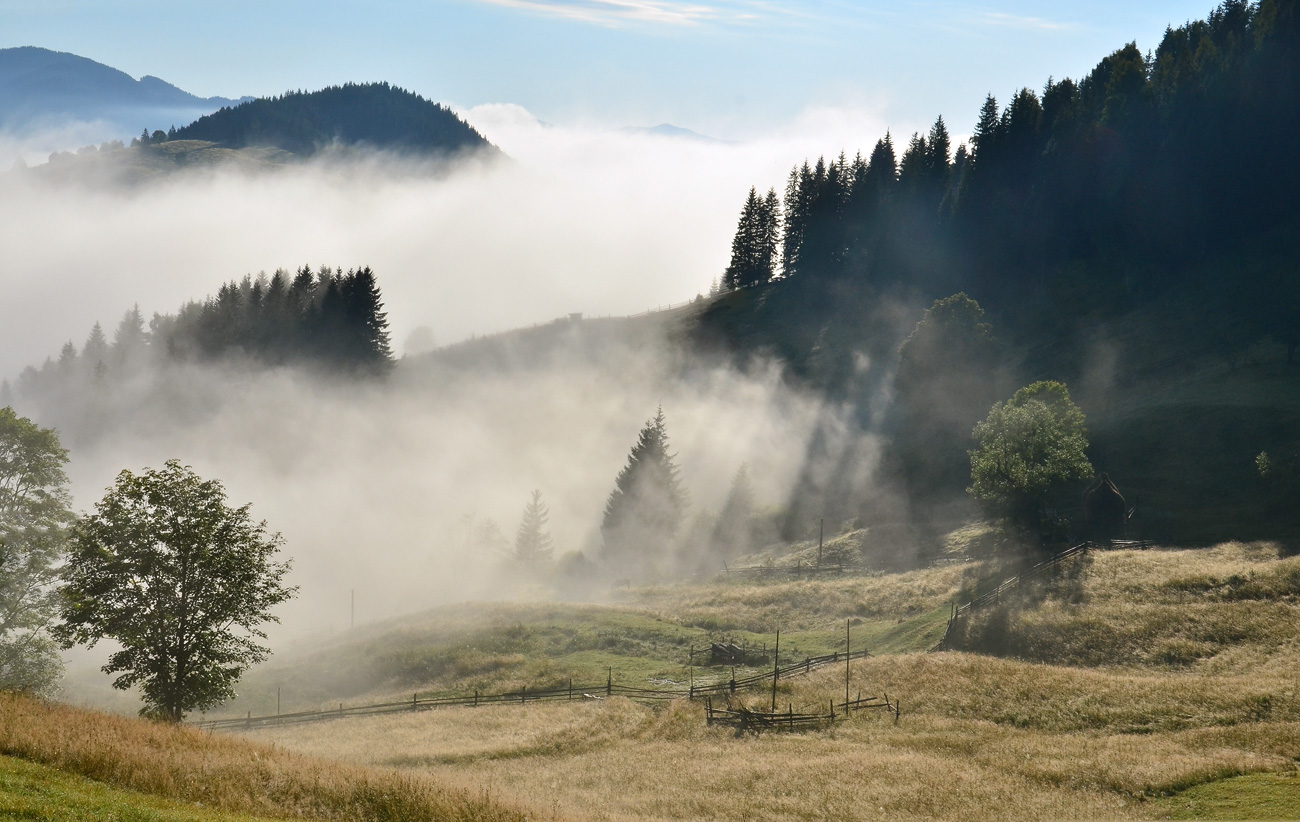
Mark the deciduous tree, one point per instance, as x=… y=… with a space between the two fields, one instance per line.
x=180 y=580
x=34 y=523
x=1027 y=447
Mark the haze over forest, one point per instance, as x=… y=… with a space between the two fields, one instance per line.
x=1082 y=220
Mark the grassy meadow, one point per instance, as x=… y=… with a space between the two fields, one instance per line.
x=1135 y=684
x=57 y=762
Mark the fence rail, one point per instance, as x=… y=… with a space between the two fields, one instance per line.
x=743 y=719
x=525 y=695
x=1012 y=583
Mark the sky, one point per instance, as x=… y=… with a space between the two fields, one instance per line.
x=731 y=69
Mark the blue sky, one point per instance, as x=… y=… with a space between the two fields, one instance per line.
x=730 y=68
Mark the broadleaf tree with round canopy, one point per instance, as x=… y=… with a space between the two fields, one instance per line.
x=180 y=580
x=1027 y=447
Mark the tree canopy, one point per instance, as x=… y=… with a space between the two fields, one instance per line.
x=1027 y=447
x=180 y=580
x=34 y=522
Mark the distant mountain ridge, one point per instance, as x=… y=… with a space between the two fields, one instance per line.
x=372 y=114
x=39 y=86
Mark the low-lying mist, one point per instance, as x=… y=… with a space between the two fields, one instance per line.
x=407 y=490
x=595 y=220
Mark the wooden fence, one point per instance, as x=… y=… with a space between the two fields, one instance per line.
x=743 y=719
x=774 y=571
x=1013 y=583
x=524 y=695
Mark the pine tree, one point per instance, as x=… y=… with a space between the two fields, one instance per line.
x=366 y=323
x=130 y=339
x=68 y=359
x=745 y=246
x=798 y=203
x=987 y=128
x=645 y=509
x=532 y=542
x=96 y=347
x=770 y=235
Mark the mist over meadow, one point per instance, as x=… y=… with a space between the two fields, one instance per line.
x=408 y=490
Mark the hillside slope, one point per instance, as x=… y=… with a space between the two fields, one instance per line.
x=1158 y=682
x=374 y=114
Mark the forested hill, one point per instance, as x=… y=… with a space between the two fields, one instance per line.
x=1160 y=178
x=1133 y=233
x=374 y=114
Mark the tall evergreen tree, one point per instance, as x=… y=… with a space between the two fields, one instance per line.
x=130 y=339
x=746 y=246
x=532 y=541
x=96 y=348
x=646 y=507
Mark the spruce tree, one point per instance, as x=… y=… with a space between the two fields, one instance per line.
x=645 y=509
x=532 y=542
x=984 y=140
x=96 y=347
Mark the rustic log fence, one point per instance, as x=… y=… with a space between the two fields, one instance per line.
x=569 y=691
x=745 y=720
x=1012 y=583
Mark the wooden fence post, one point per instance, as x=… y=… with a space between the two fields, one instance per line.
x=476 y=697
x=776 y=667
x=609 y=683
x=523 y=694
x=570 y=688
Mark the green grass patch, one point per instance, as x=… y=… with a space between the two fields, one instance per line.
x=29 y=792
x=1254 y=796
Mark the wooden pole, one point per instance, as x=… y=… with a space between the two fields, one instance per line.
x=847 y=649
x=776 y=667
x=821 y=533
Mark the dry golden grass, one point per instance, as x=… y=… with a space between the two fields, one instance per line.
x=1233 y=607
x=225 y=772
x=980 y=736
x=803 y=605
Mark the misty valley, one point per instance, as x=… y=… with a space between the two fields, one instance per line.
x=369 y=457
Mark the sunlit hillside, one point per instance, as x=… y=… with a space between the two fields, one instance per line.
x=1143 y=675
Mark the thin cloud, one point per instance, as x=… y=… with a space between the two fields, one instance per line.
x=614 y=12
x=996 y=18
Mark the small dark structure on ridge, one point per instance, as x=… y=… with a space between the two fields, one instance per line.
x=1105 y=514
